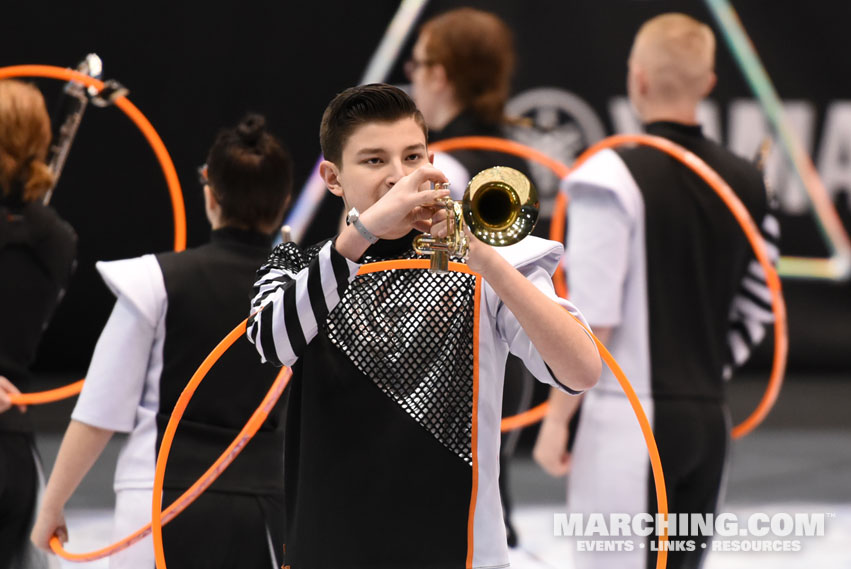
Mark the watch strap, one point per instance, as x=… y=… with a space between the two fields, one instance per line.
x=354 y=219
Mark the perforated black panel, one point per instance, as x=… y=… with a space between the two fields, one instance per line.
x=411 y=332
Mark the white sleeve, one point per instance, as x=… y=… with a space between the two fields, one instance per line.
x=538 y=269
x=751 y=311
x=116 y=376
x=598 y=237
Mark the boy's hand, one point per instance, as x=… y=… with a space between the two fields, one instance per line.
x=550 y=450
x=481 y=257
x=410 y=203
x=439 y=223
x=49 y=523
x=7 y=387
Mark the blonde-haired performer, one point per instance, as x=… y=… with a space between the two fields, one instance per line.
x=673 y=62
x=672 y=287
x=37 y=250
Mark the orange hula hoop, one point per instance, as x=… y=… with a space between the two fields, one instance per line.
x=781 y=340
x=156 y=143
x=49 y=396
x=221 y=463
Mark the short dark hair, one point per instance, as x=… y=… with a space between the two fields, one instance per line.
x=250 y=173
x=356 y=106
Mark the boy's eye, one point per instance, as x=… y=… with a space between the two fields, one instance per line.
x=373 y=160
x=414 y=157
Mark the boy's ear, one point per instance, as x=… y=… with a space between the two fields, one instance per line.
x=431 y=157
x=331 y=176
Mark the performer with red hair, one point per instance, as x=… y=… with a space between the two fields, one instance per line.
x=37 y=252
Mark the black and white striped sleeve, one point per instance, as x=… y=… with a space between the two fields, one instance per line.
x=750 y=313
x=293 y=297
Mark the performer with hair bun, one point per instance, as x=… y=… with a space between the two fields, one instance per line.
x=37 y=251
x=171 y=311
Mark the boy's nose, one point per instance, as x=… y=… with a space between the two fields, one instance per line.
x=397 y=171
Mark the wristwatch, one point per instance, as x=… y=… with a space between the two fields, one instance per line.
x=353 y=218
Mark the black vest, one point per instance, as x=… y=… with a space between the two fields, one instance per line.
x=696 y=257
x=209 y=293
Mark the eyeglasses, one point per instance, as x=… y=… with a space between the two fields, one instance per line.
x=202 y=174
x=413 y=64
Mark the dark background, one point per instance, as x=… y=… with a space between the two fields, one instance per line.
x=194 y=67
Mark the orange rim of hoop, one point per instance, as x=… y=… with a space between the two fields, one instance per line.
x=156 y=143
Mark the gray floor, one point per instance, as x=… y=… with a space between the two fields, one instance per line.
x=802 y=451
x=799 y=460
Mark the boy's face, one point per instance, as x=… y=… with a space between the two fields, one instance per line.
x=375 y=157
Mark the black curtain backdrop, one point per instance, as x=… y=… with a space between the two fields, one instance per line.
x=195 y=67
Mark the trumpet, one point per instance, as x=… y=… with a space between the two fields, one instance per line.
x=500 y=206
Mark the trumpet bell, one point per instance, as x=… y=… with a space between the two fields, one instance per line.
x=500 y=206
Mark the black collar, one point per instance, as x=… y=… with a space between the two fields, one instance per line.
x=465 y=124
x=661 y=128
x=231 y=235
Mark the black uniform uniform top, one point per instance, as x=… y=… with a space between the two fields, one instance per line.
x=37 y=251
x=201 y=285
x=693 y=278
